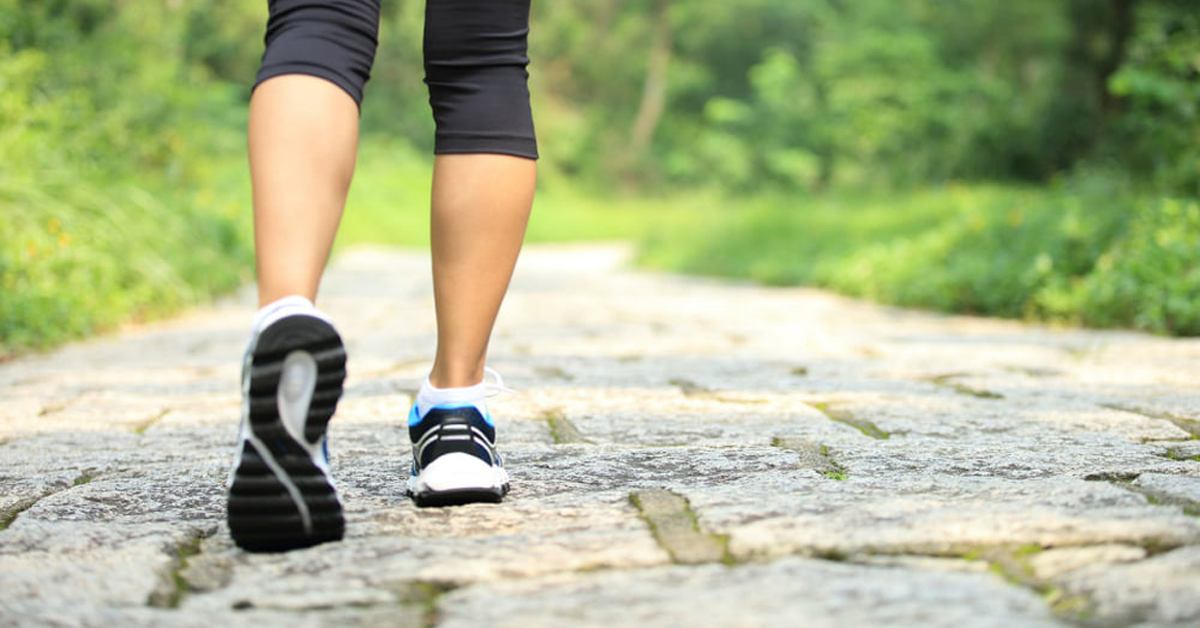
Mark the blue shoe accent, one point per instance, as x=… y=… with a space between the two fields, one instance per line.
x=414 y=418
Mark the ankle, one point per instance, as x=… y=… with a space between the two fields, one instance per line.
x=455 y=376
x=430 y=396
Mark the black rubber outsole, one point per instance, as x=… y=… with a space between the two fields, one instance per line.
x=459 y=497
x=264 y=515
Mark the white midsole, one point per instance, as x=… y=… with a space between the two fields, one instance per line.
x=458 y=471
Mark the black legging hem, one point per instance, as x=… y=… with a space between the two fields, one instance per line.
x=500 y=145
x=351 y=88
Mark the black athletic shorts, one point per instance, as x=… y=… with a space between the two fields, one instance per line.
x=475 y=63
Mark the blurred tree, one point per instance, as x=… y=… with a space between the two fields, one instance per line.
x=654 y=90
x=744 y=95
x=1156 y=91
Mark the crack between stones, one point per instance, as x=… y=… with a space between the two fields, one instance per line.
x=427 y=594
x=1077 y=609
x=1191 y=426
x=1033 y=371
x=677 y=530
x=688 y=387
x=947 y=381
x=813 y=456
x=1159 y=498
x=52 y=408
x=1012 y=564
x=864 y=426
x=141 y=428
x=1173 y=454
x=553 y=372
x=173 y=587
x=698 y=391
x=10 y=514
x=562 y=429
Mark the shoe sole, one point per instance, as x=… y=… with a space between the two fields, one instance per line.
x=280 y=499
x=459 y=497
x=459 y=479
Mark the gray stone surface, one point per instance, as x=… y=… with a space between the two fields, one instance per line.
x=1055 y=563
x=787 y=592
x=1180 y=490
x=1161 y=590
x=823 y=460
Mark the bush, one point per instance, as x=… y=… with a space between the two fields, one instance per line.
x=1151 y=278
x=114 y=193
x=1084 y=252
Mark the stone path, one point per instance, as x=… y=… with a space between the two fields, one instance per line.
x=684 y=452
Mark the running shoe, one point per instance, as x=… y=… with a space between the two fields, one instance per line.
x=280 y=493
x=454 y=454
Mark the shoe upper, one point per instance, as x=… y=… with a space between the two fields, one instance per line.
x=452 y=429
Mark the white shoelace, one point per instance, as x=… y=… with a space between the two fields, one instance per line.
x=497 y=387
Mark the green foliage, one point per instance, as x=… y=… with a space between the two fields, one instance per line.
x=122 y=191
x=397 y=101
x=1157 y=136
x=807 y=95
x=83 y=258
x=1075 y=253
x=114 y=202
x=1151 y=278
x=389 y=204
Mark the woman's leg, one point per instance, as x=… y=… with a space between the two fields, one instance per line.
x=480 y=208
x=484 y=173
x=483 y=183
x=303 y=135
x=303 y=138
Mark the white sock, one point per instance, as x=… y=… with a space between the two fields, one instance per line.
x=286 y=306
x=430 y=397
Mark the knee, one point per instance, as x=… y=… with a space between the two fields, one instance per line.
x=334 y=40
x=475 y=67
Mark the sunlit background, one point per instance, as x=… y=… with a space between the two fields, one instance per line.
x=1018 y=158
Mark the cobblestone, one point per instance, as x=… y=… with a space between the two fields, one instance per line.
x=683 y=451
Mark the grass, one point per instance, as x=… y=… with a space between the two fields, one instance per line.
x=80 y=255
x=113 y=209
x=81 y=258
x=1081 y=253
x=389 y=204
